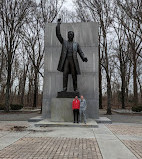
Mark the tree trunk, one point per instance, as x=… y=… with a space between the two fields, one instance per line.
x=127 y=83
x=2 y=64
x=23 y=85
x=123 y=94
x=35 y=89
x=135 y=79
x=140 y=89
x=29 y=97
x=8 y=85
x=108 y=96
x=122 y=69
x=41 y=102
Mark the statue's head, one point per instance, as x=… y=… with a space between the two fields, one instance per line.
x=70 y=35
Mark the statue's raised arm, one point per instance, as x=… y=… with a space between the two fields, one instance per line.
x=58 y=33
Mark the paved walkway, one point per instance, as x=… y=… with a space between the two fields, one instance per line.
x=122 y=118
x=119 y=118
x=17 y=116
x=112 y=141
x=49 y=147
x=130 y=135
x=120 y=140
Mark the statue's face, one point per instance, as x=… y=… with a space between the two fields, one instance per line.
x=70 y=35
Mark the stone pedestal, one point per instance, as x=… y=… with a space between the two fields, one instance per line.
x=86 y=34
x=61 y=109
x=63 y=94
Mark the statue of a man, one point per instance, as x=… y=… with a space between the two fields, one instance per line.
x=68 y=62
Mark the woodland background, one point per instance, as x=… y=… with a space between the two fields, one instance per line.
x=22 y=24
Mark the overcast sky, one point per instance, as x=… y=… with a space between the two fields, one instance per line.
x=68 y=4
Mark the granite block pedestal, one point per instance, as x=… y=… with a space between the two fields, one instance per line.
x=61 y=109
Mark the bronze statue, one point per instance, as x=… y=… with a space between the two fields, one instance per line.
x=68 y=62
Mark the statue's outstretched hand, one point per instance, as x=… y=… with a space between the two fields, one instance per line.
x=59 y=21
x=85 y=59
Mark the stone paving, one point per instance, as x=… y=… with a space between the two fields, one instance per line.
x=130 y=135
x=52 y=148
x=9 y=125
x=135 y=147
x=17 y=116
x=119 y=118
x=126 y=129
x=71 y=143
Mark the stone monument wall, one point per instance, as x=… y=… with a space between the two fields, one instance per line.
x=86 y=34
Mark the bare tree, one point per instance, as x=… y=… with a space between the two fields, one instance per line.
x=25 y=61
x=133 y=10
x=121 y=52
x=33 y=44
x=12 y=17
x=48 y=11
x=132 y=29
x=2 y=60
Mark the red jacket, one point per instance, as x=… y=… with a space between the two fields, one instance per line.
x=76 y=104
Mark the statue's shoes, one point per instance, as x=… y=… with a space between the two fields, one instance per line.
x=64 y=89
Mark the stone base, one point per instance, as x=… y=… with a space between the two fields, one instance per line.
x=64 y=94
x=48 y=123
x=35 y=119
x=103 y=120
x=61 y=109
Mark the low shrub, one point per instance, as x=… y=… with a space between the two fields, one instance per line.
x=16 y=106
x=137 y=109
x=1 y=106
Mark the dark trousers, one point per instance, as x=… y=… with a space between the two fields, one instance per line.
x=75 y=114
x=69 y=66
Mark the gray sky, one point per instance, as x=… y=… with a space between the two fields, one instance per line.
x=68 y=4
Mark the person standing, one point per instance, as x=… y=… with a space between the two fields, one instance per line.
x=75 y=108
x=83 y=106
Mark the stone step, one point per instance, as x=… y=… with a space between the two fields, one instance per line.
x=103 y=120
x=35 y=119
x=48 y=123
x=100 y=120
